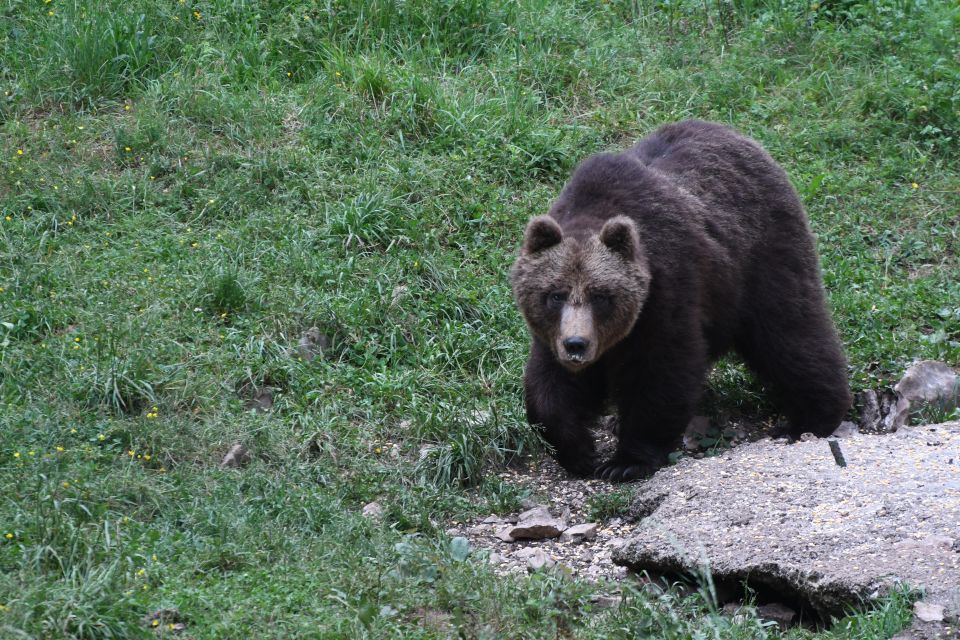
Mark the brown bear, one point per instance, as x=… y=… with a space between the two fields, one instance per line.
x=650 y=265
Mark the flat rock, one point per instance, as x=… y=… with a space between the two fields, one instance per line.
x=786 y=519
x=534 y=524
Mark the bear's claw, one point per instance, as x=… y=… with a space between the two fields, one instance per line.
x=623 y=471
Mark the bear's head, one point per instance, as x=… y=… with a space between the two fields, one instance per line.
x=580 y=295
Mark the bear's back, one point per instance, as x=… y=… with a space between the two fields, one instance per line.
x=732 y=175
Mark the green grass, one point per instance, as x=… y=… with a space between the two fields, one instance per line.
x=188 y=187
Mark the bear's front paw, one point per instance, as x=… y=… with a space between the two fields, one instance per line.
x=623 y=469
x=582 y=467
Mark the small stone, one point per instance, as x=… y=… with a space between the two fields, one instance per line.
x=736 y=611
x=536 y=558
x=607 y=602
x=492 y=519
x=845 y=430
x=807 y=437
x=312 y=344
x=695 y=432
x=495 y=558
x=776 y=612
x=477 y=530
x=372 y=510
x=504 y=534
x=236 y=457
x=579 y=533
x=165 y=621
x=928 y=612
x=262 y=401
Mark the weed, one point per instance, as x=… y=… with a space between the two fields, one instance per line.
x=188 y=186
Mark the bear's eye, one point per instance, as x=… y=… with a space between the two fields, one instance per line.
x=601 y=297
x=557 y=297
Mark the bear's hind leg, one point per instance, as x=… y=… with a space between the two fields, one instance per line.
x=793 y=347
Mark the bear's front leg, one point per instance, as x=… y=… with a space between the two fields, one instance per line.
x=563 y=405
x=656 y=398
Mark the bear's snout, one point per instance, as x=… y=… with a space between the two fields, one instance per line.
x=576 y=344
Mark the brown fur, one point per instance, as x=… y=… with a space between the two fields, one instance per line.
x=650 y=265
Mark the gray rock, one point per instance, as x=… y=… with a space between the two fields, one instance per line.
x=882 y=411
x=535 y=558
x=833 y=536
x=535 y=524
x=845 y=430
x=477 y=530
x=236 y=457
x=372 y=510
x=607 y=602
x=312 y=344
x=504 y=534
x=695 y=432
x=929 y=382
x=260 y=399
x=166 y=621
x=776 y=612
x=579 y=533
x=927 y=612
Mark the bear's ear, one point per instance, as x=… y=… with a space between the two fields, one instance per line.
x=619 y=234
x=542 y=233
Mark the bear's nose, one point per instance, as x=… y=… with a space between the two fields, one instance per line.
x=575 y=345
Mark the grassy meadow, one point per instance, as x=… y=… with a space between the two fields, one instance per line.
x=187 y=186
